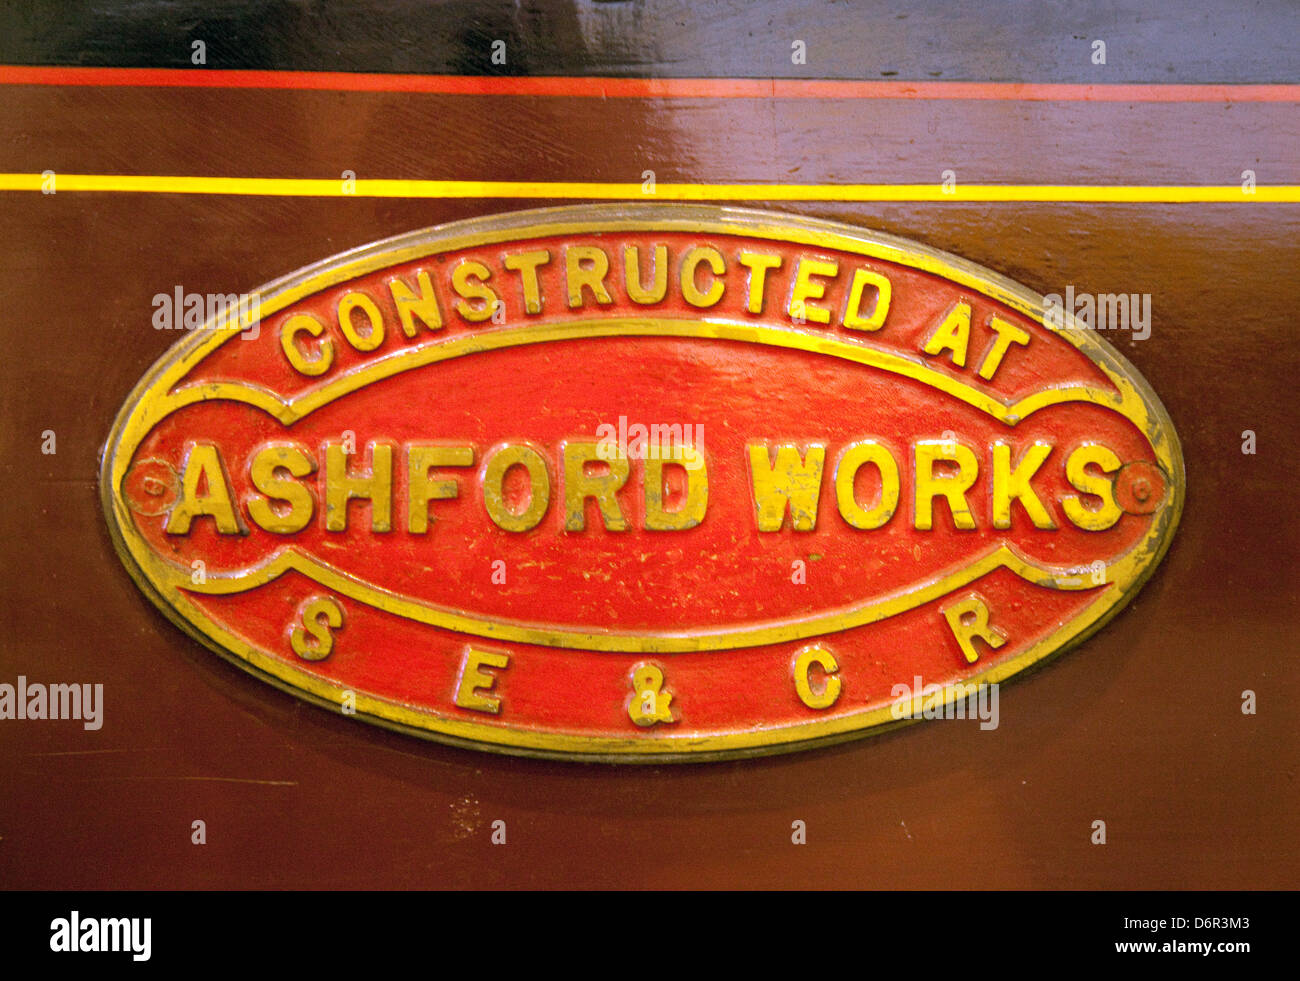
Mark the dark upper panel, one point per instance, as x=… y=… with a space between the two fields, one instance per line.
x=1191 y=41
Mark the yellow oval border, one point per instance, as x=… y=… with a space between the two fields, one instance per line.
x=149 y=403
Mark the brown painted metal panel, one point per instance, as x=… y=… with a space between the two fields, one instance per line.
x=1141 y=728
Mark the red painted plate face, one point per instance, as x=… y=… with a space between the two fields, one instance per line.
x=641 y=483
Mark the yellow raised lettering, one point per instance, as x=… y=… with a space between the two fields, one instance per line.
x=375 y=487
x=806 y=289
x=829 y=692
x=952 y=487
x=411 y=305
x=690 y=264
x=758 y=264
x=469 y=280
x=526 y=264
x=792 y=480
x=691 y=511
x=305 y=323
x=853 y=318
x=579 y=486
x=1013 y=485
x=632 y=275
x=586 y=266
x=265 y=474
x=421 y=489
x=853 y=459
x=319 y=616
x=1076 y=472
x=473 y=682
x=374 y=335
x=952 y=334
x=203 y=465
x=539 y=487
x=1008 y=334
x=968 y=618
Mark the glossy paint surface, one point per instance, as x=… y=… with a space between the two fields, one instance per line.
x=1141 y=726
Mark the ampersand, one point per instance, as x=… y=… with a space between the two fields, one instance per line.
x=649 y=703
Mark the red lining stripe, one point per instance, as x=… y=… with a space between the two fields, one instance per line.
x=639 y=88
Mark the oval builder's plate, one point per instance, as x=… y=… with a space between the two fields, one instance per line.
x=641 y=483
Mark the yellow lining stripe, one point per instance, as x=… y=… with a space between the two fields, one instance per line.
x=566 y=190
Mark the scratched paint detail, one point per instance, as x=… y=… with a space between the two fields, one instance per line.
x=640 y=482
